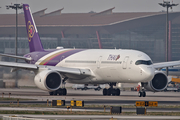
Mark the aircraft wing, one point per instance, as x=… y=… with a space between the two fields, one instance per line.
x=64 y=70
x=166 y=64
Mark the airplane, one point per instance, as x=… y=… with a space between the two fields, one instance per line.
x=87 y=66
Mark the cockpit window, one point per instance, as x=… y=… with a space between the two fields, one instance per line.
x=139 y=62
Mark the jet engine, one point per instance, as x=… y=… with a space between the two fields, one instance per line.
x=48 y=80
x=158 y=83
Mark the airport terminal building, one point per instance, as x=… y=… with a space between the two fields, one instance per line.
x=144 y=31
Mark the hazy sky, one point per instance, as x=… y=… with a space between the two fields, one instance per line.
x=84 y=6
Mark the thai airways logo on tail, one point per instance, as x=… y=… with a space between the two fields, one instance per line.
x=31 y=31
x=27 y=8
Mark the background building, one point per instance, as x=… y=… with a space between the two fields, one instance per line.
x=144 y=31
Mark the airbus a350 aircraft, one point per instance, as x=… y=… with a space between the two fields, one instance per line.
x=87 y=66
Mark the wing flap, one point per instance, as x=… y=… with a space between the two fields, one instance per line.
x=66 y=70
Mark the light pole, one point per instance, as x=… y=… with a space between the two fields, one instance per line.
x=16 y=7
x=167 y=4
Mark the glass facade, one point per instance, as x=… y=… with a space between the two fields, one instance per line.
x=149 y=39
x=175 y=44
x=7 y=44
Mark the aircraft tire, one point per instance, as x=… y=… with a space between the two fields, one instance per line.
x=109 y=91
x=104 y=91
x=117 y=92
x=51 y=93
x=143 y=93
x=114 y=91
x=98 y=89
x=54 y=92
x=60 y=91
x=64 y=91
x=85 y=88
x=139 y=93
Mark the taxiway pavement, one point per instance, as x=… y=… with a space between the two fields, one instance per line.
x=95 y=97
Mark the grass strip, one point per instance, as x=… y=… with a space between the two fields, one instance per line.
x=86 y=113
x=14 y=99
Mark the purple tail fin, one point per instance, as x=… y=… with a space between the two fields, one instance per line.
x=33 y=36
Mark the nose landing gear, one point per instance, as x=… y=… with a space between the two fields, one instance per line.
x=142 y=92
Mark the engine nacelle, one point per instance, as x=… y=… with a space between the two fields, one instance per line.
x=48 y=80
x=158 y=83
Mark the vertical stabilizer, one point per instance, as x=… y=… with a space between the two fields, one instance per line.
x=33 y=36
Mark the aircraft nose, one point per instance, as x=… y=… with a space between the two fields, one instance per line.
x=147 y=73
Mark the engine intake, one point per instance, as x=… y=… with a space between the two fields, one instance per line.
x=53 y=80
x=158 y=83
x=48 y=80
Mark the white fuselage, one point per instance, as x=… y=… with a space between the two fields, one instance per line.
x=107 y=66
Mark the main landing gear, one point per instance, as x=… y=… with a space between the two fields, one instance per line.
x=60 y=91
x=111 y=90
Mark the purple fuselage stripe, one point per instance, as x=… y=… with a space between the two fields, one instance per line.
x=38 y=55
x=62 y=56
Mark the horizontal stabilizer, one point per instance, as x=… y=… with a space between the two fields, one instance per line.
x=19 y=65
x=17 y=57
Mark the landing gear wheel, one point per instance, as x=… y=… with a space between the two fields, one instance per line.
x=117 y=92
x=54 y=92
x=104 y=91
x=98 y=89
x=140 y=94
x=109 y=92
x=51 y=93
x=143 y=93
x=64 y=91
x=113 y=92
x=60 y=92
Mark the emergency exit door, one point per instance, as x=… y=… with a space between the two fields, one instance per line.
x=125 y=61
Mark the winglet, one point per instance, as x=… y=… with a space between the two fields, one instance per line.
x=33 y=36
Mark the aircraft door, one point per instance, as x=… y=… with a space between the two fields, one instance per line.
x=61 y=58
x=99 y=62
x=125 y=61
